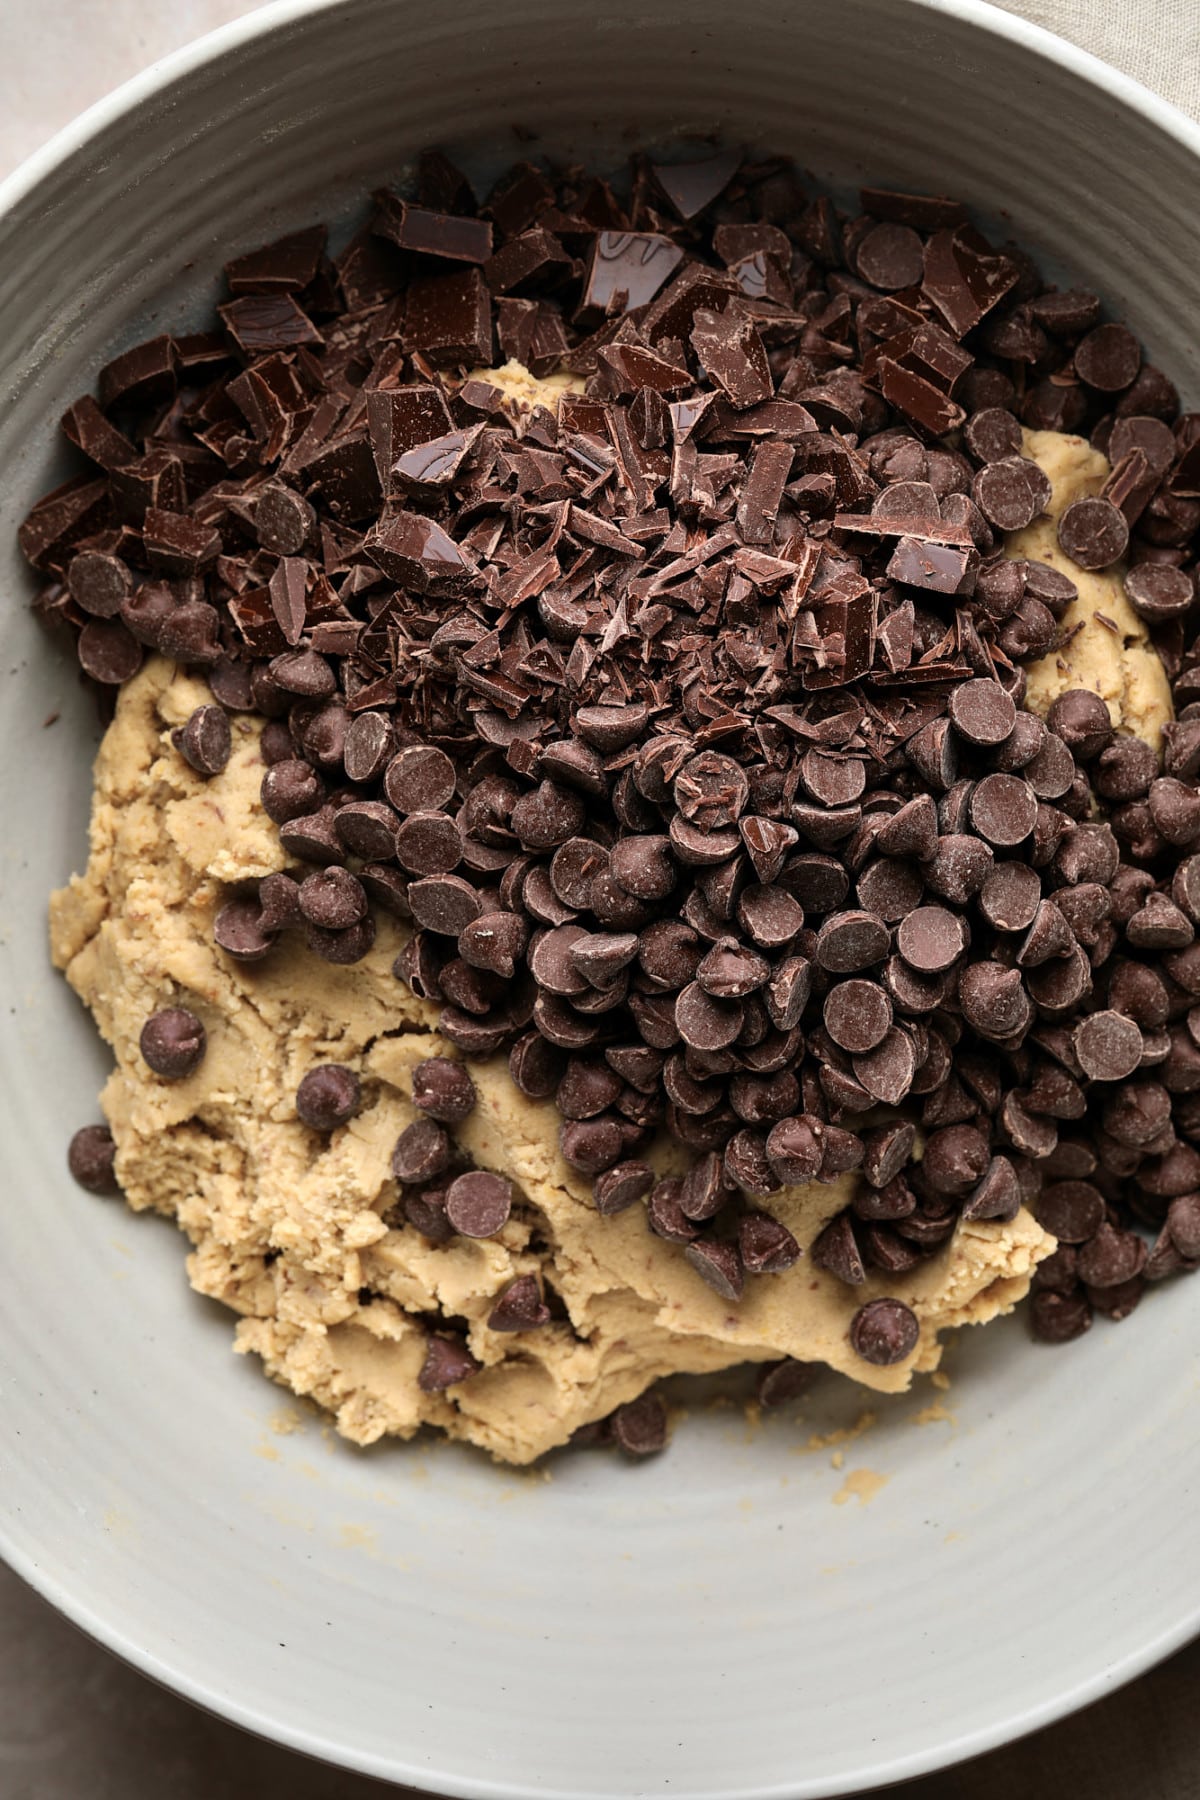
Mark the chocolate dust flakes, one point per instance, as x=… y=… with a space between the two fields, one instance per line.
x=684 y=721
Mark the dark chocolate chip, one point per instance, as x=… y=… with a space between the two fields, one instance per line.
x=328 y=1096
x=173 y=1043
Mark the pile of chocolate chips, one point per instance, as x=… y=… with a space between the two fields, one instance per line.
x=684 y=724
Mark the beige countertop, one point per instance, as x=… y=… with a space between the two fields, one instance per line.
x=75 y=1724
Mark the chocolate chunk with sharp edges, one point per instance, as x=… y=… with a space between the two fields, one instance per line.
x=141 y=377
x=732 y=353
x=691 y=186
x=416 y=551
x=259 y=323
x=430 y=233
x=626 y=269
x=448 y=319
x=88 y=429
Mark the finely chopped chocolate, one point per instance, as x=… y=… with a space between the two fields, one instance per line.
x=683 y=719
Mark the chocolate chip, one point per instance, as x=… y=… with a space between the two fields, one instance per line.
x=1071 y=1210
x=982 y=712
x=1108 y=1045
x=91 y=1158
x=719 y=1264
x=1011 y=492
x=884 y=1332
x=332 y=899
x=240 y=930
x=291 y=790
x=1010 y=896
x=849 y=941
x=443 y=1089
x=345 y=946
x=328 y=1096
x=1108 y=358
x=705 y=1022
x=615 y=1190
x=932 y=939
x=108 y=652
x=1057 y=1318
x=1158 y=593
x=1093 y=533
x=419 y=779
x=1003 y=810
x=769 y=915
x=857 y=1015
x=992 y=433
x=1080 y=718
x=447 y=1362
x=639 y=1427
x=422 y=1151
x=173 y=1043
x=591 y=1145
x=478 y=1203
x=519 y=1307
x=835 y=1249
x=428 y=843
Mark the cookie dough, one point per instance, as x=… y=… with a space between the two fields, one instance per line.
x=521 y=391
x=296 y=1233
x=1109 y=649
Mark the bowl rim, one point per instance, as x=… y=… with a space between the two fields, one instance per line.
x=173 y=1674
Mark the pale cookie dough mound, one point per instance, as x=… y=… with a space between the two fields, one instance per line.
x=1109 y=649
x=298 y=1232
x=521 y=391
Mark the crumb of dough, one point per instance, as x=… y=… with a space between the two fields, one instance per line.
x=1115 y=659
x=861 y=1485
x=296 y=1233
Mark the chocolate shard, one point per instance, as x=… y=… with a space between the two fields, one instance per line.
x=448 y=319
x=259 y=322
x=628 y=368
x=143 y=376
x=88 y=429
x=399 y=419
x=416 y=551
x=691 y=186
x=939 y=568
x=918 y=399
x=535 y=254
x=964 y=278
x=284 y=267
x=732 y=354
x=430 y=233
x=626 y=269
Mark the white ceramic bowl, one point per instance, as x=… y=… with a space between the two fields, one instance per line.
x=710 y=1623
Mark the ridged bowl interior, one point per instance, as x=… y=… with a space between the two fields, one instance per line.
x=709 y=1624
